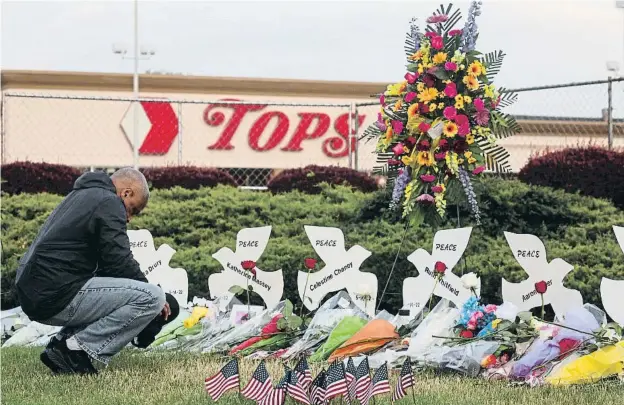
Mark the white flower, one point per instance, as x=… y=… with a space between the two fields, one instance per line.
x=470 y=281
x=507 y=311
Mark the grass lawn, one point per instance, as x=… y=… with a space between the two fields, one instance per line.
x=175 y=378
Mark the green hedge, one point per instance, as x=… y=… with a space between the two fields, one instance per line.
x=199 y=222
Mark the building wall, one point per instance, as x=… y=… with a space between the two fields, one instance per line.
x=88 y=120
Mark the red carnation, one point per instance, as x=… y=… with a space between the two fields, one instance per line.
x=423 y=145
x=310 y=263
x=443 y=145
x=440 y=268
x=466 y=334
x=460 y=146
x=250 y=266
x=541 y=287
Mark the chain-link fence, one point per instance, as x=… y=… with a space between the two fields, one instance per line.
x=551 y=117
x=254 y=140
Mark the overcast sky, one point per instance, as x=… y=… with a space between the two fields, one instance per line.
x=547 y=41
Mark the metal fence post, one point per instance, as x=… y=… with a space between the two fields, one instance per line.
x=179 y=134
x=610 y=113
x=3 y=136
x=349 y=151
x=355 y=138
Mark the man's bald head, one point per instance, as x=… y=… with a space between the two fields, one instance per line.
x=132 y=187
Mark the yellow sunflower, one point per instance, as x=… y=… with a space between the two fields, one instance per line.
x=475 y=69
x=428 y=95
x=471 y=82
x=439 y=58
x=450 y=129
x=469 y=139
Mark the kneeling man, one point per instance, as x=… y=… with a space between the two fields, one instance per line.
x=80 y=274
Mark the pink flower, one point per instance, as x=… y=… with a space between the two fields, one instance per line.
x=478 y=315
x=427 y=178
x=423 y=145
x=450 y=113
x=410 y=96
x=397 y=127
x=490 y=308
x=463 y=125
x=478 y=103
x=440 y=156
x=450 y=90
x=450 y=66
x=431 y=34
x=437 y=189
x=437 y=43
x=424 y=127
x=425 y=199
x=437 y=18
x=472 y=324
x=411 y=140
x=424 y=108
x=461 y=119
x=443 y=145
x=411 y=77
x=393 y=162
x=382 y=99
x=398 y=149
x=478 y=170
x=482 y=117
x=455 y=33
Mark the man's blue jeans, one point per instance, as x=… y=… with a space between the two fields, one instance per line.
x=107 y=313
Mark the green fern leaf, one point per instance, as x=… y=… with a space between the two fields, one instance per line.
x=493 y=62
x=507 y=98
x=504 y=125
x=496 y=157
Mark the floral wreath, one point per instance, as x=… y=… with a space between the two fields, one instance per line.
x=439 y=126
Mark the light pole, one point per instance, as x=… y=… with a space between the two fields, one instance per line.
x=139 y=54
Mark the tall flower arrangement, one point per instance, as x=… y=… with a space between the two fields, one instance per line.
x=439 y=126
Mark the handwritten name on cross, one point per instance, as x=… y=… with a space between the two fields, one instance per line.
x=250 y=244
x=448 y=247
x=341 y=270
x=155 y=265
x=530 y=253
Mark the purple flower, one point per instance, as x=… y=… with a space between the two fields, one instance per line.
x=399 y=186
x=482 y=117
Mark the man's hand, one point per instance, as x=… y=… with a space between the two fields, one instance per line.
x=166 y=311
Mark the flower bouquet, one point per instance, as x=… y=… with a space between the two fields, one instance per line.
x=439 y=126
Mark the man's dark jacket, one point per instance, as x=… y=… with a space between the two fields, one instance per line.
x=85 y=236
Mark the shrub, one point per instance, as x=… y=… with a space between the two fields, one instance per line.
x=189 y=177
x=589 y=170
x=30 y=177
x=309 y=178
x=199 y=222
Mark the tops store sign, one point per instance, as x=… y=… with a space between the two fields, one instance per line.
x=216 y=132
x=246 y=128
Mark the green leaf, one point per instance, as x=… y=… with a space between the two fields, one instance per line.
x=294 y=322
x=493 y=62
x=441 y=74
x=236 y=290
x=307 y=321
x=288 y=308
x=507 y=98
x=282 y=324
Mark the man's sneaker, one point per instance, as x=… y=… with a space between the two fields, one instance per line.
x=67 y=361
x=45 y=358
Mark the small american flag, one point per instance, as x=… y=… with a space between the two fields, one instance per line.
x=406 y=380
x=295 y=389
x=277 y=396
x=336 y=381
x=318 y=388
x=380 y=384
x=226 y=379
x=259 y=385
x=304 y=375
x=362 y=380
x=350 y=375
